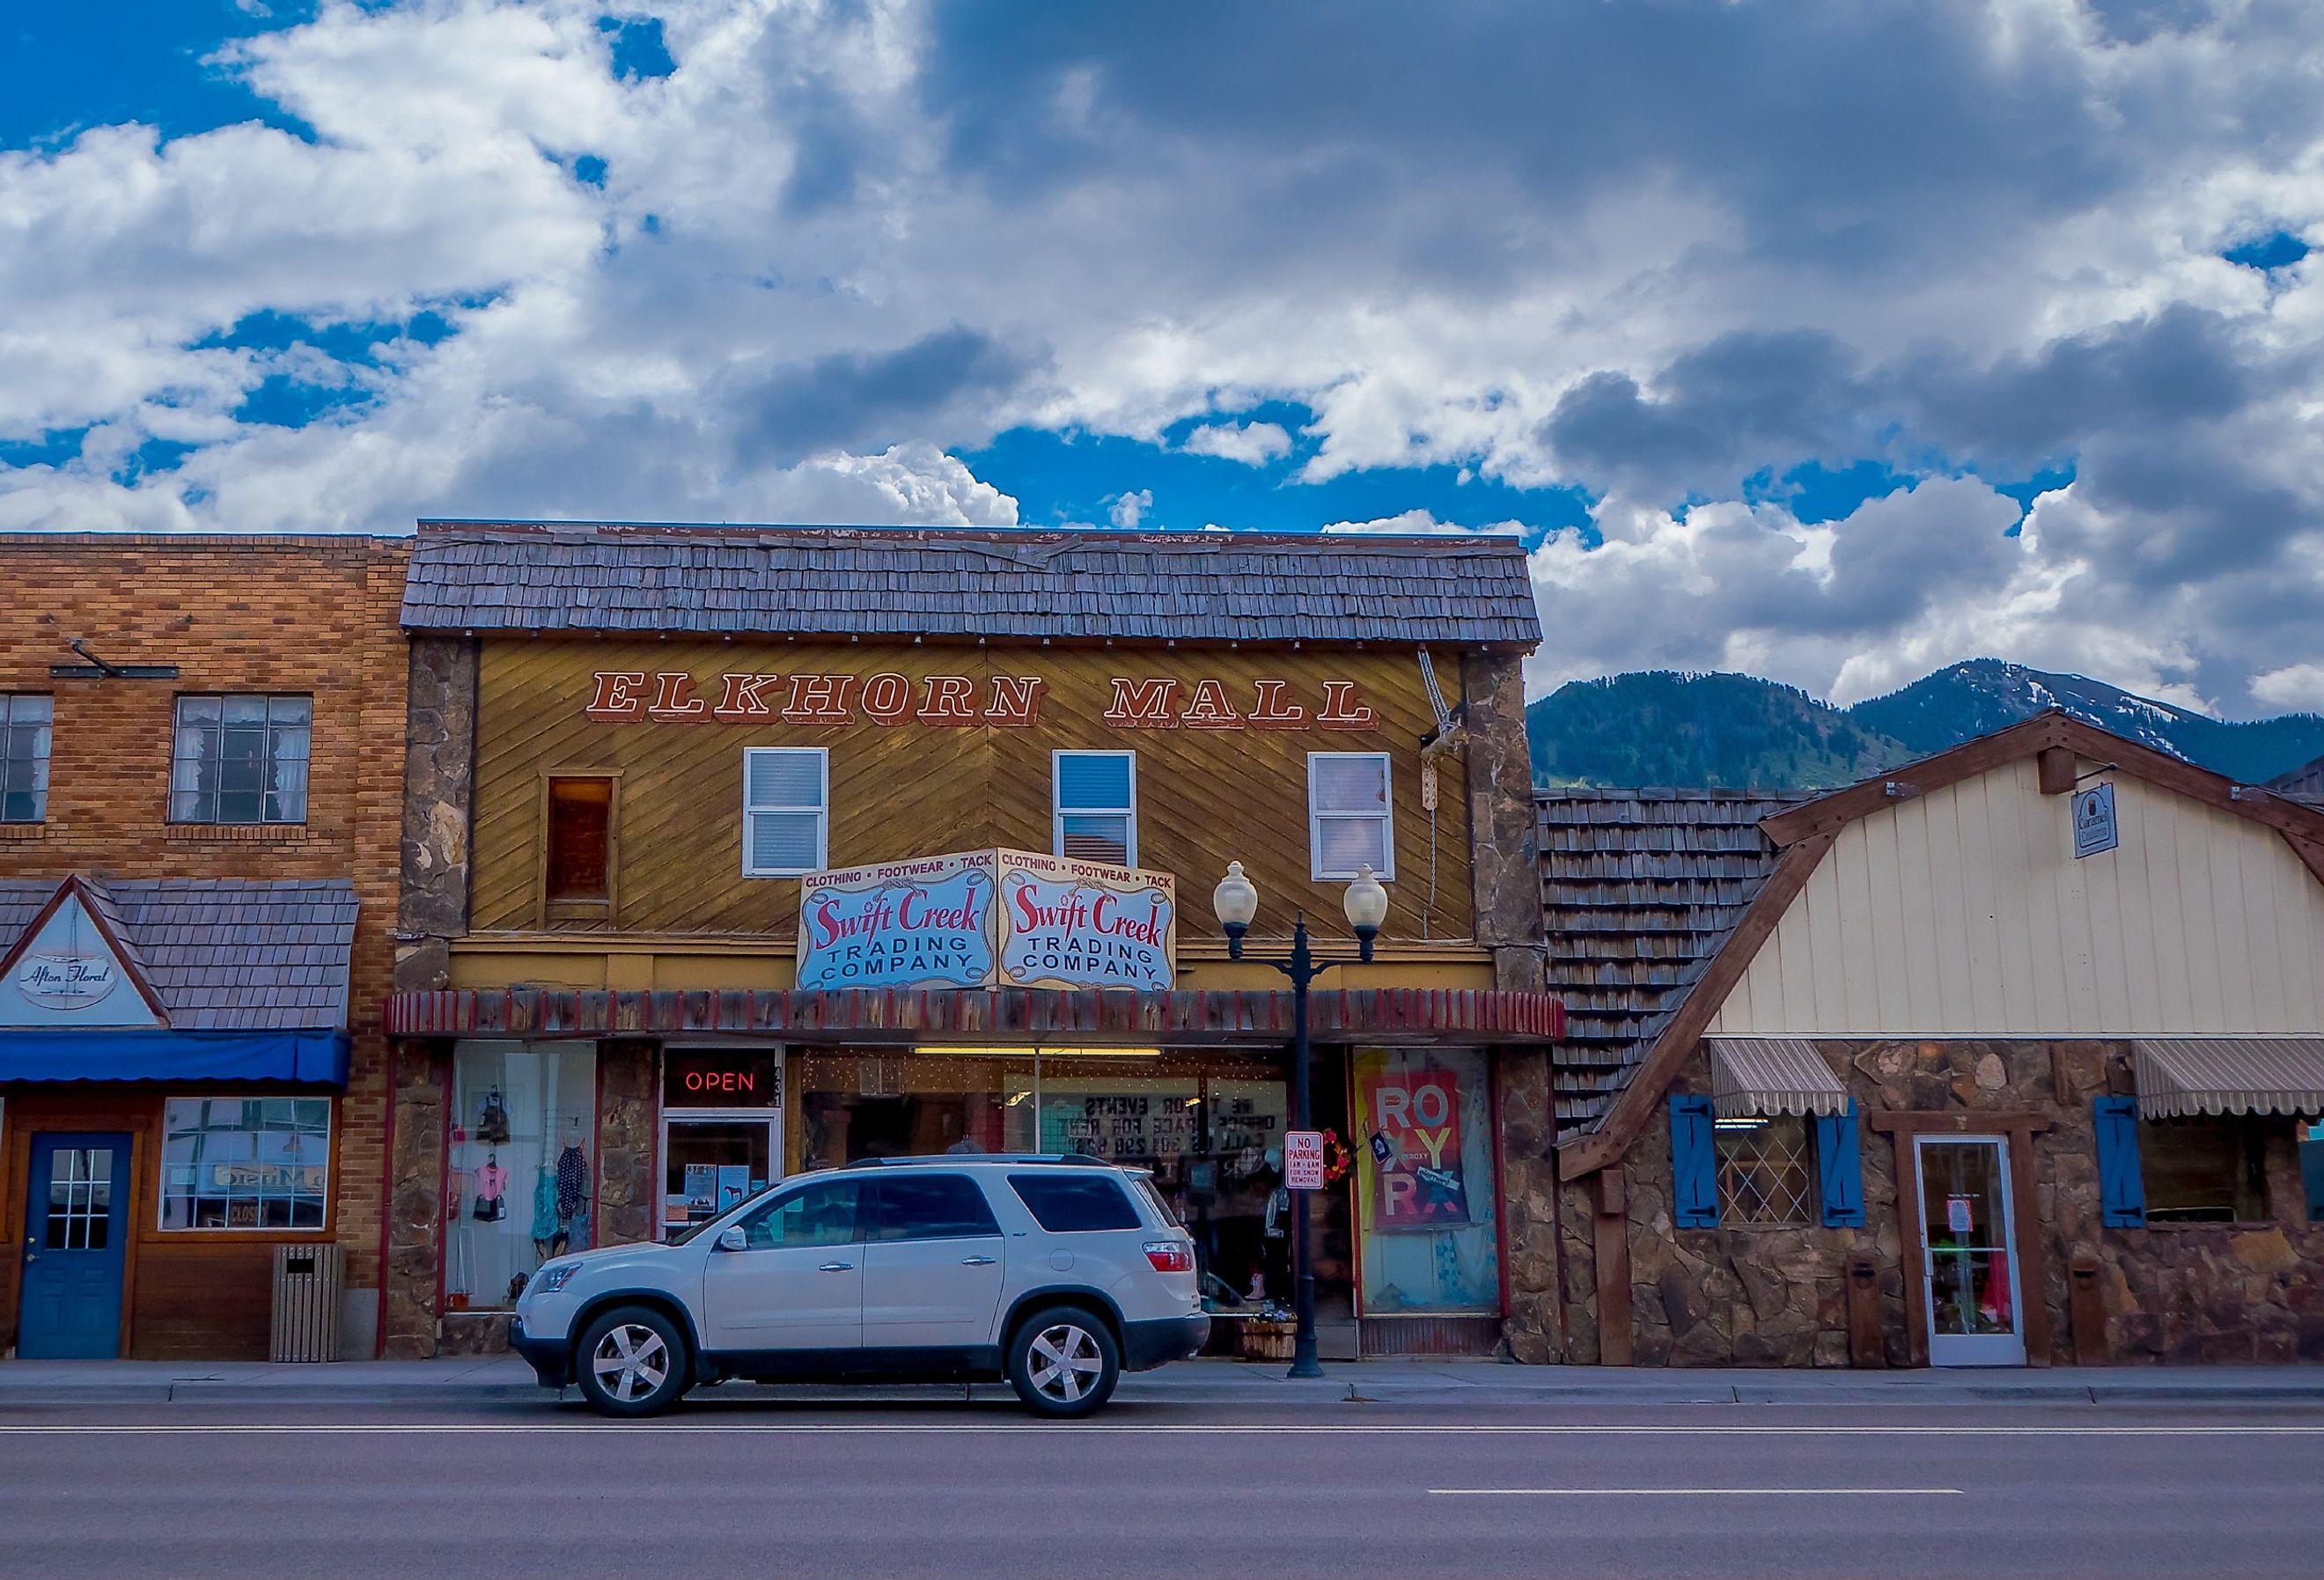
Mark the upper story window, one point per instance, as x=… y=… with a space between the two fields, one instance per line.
x=24 y=722
x=1094 y=806
x=1348 y=814
x=786 y=810
x=577 y=854
x=240 y=758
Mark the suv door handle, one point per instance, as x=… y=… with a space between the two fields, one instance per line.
x=976 y=1262
x=835 y=1267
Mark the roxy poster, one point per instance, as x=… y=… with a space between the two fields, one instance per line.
x=1416 y=1117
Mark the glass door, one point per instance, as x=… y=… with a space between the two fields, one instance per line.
x=711 y=1161
x=1968 y=1260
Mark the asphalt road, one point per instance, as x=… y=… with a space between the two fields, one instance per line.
x=1347 y=1491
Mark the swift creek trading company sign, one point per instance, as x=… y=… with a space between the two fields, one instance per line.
x=988 y=919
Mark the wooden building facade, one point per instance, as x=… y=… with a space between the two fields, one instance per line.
x=633 y=751
x=2009 y=1057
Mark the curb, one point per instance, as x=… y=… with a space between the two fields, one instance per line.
x=1255 y=1394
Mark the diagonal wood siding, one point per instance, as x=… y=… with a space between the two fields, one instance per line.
x=1204 y=798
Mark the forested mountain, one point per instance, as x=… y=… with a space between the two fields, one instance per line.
x=1739 y=732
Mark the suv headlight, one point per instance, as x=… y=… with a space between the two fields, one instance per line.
x=549 y=1280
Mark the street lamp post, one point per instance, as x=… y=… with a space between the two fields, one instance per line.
x=1236 y=900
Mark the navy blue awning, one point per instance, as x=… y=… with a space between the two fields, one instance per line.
x=175 y=1055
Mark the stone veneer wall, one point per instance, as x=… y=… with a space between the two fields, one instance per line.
x=415 y=1219
x=1504 y=885
x=1776 y=1297
x=629 y=1116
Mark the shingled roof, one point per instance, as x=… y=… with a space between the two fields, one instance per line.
x=1639 y=890
x=2304 y=783
x=1006 y=585
x=222 y=954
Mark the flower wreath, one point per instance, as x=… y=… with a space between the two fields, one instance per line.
x=1339 y=1158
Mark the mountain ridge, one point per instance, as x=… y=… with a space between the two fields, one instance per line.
x=1723 y=730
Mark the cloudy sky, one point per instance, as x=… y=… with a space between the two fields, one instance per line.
x=1833 y=342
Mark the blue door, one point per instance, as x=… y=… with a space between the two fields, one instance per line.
x=75 y=1230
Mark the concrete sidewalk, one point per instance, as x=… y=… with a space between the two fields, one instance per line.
x=1473 y=1384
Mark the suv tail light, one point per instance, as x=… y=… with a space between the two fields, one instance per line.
x=1170 y=1256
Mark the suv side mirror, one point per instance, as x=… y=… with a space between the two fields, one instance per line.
x=733 y=1238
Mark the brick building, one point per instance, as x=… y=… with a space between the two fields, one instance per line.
x=202 y=765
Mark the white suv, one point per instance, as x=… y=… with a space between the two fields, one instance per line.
x=1055 y=1273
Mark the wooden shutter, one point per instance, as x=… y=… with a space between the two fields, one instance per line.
x=2122 y=1193
x=1694 y=1171
x=1839 y=1165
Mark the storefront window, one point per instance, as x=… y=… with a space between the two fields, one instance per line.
x=1208 y=1124
x=1425 y=1181
x=721 y=1129
x=522 y=1182
x=905 y=1103
x=245 y=1162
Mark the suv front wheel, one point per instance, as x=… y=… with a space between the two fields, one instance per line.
x=1063 y=1362
x=631 y=1361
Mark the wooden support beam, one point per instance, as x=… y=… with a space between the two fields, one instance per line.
x=2057 y=770
x=1611 y=1223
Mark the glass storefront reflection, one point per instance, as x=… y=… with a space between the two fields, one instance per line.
x=1208 y=1124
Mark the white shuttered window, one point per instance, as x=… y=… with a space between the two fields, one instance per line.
x=1094 y=807
x=1348 y=814
x=786 y=810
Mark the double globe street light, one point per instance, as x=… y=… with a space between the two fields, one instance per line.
x=1236 y=900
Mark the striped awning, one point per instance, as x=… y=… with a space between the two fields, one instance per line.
x=2178 y=1077
x=1771 y=1074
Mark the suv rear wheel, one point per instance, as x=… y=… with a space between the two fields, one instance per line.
x=632 y=1361
x=1063 y=1362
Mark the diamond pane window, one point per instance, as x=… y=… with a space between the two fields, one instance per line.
x=1765 y=1172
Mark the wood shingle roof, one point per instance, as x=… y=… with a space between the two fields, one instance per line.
x=222 y=954
x=1639 y=890
x=1005 y=585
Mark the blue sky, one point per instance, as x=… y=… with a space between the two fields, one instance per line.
x=1830 y=342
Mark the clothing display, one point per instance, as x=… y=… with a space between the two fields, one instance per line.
x=572 y=1181
x=492 y=1187
x=515 y=1110
x=546 y=1230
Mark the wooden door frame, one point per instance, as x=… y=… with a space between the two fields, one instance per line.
x=29 y=1113
x=2017 y=1129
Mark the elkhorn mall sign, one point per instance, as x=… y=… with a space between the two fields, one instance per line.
x=989 y=918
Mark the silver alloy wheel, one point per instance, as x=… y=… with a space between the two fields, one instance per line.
x=630 y=1362
x=1067 y=1362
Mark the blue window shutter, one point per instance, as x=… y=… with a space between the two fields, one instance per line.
x=2121 y=1191
x=1694 y=1171
x=1839 y=1163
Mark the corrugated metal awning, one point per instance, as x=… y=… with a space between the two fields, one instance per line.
x=2178 y=1077
x=1771 y=1074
